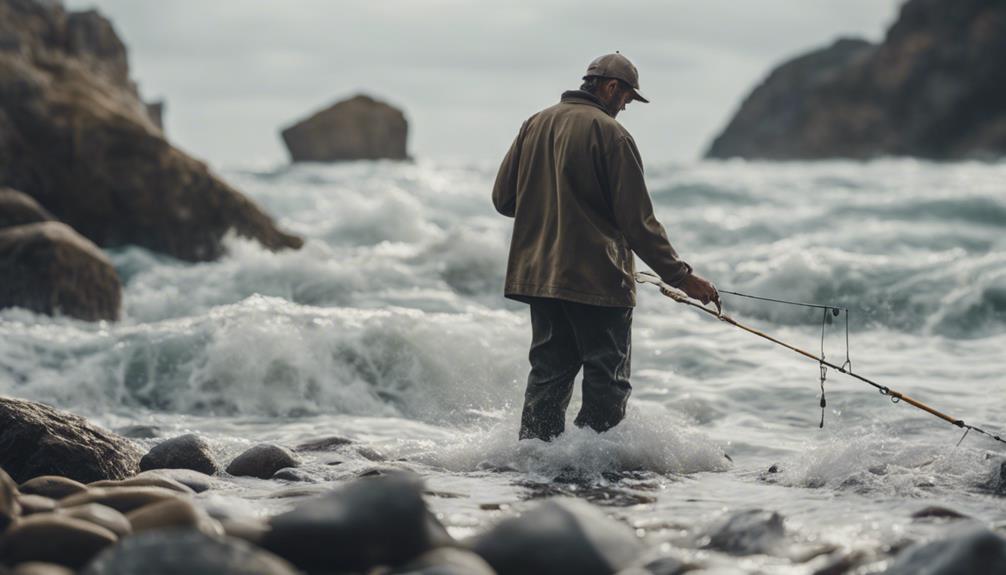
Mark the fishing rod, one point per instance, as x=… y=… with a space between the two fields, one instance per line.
x=895 y=396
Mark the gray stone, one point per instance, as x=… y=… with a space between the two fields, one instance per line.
x=36 y=440
x=961 y=550
x=560 y=536
x=100 y=515
x=18 y=209
x=147 y=481
x=332 y=443
x=935 y=511
x=294 y=474
x=52 y=486
x=262 y=461
x=194 y=480
x=366 y=523
x=53 y=538
x=188 y=552
x=360 y=128
x=122 y=499
x=32 y=504
x=446 y=561
x=174 y=513
x=748 y=532
x=187 y=451
x=139 y=431
x=49 y=268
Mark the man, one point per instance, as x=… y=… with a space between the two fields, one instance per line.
x=573 y=182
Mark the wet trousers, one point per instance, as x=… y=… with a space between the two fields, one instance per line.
x=565 y=337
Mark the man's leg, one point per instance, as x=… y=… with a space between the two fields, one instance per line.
x=555 y=360
x=604 y=336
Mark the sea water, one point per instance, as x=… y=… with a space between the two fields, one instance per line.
x=389 y=328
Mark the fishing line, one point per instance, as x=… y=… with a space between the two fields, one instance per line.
x=846 y=368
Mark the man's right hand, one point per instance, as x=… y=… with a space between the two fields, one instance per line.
x=698 y=287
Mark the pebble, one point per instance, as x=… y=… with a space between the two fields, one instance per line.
x=184 y=452
x=32 y=504
x=52 y=486
x=100 y=515
x=262 y=461
x=147 y=481
x=53 y=538
x=122 y=499
x=332 y=443
x=179 y=513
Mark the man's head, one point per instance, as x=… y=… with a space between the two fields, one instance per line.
x=614 y=80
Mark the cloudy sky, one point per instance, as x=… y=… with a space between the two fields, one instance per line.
x=466 y=72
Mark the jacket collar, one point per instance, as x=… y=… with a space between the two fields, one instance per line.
x=581 y=97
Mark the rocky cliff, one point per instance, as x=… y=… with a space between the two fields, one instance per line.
x=934 y=88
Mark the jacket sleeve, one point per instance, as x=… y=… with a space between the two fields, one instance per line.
x=633 y=211
x=505 y=189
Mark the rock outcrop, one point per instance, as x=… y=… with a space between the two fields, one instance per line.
x=75 y=136
x=359 y=128
x=36 y=440
x=49 y=268
x=935 y=88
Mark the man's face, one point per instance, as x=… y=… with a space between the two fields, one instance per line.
x=615 y=96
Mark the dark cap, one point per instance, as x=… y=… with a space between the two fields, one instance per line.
x=619 y=67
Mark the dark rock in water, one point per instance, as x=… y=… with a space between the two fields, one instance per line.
x=122 y=499
x=366 y=523
x=661 y=566
x=139 y=431
x=324 y=444
x=10 y=508
x=262 y=461
x=75 y=135
x=359 y=128
x=748 y=532
x=32 y=504
x=187 y=451
x=174 y=513
x=39 y=568
x=36 y=439
x=17 y=209
x=194 y=480
x=446 y=561
x=999 y=487
x=188 y=552
x=100 y=515
x=52 y=486
x=773 y=469
x=560 y=536
x=371 y=454
x=54 y=539
x=935 y=511
x=293 y=474
x=49 y=268
x=962 y=550
x=147 y=481
x=935 y=88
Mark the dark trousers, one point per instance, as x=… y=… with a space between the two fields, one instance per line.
x=565 y=337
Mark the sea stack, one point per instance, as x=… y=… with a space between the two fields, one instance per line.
x=934 y=88
x=360 y=128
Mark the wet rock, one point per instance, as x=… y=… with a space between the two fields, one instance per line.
x=371 y=454
x=10 y=508
x=298 y=492
x=122 y=499
x=262 y=461
x=52 y=486
x=842 y=563
x=147 y=481
x=961 y=550
x=360 y=128
x=139 y=431
x=18 y=209
x=293 y=474
x=32 y=504
x=446 y=561
x=748 y=532
x=176 y=513
x=184 y=452
x=53 y=538
x=49 y=268
x=661 y=566
x=935 y=511
x=77 y=138
x=999 y=487
x=179 y=551
x=38 y=568
x=194 y=480
x=560 y=536
x=39 y=440
x=100 y=515
x=332 y=443
x=378 y=521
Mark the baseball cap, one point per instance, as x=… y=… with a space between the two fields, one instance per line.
x=619 y=67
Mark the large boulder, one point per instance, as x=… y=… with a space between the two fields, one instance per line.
x=360 y=128
x=36 y=439
x=559 y=537
x=17 y=209
x=75 y=136
x=49 y=268
x=935 y=88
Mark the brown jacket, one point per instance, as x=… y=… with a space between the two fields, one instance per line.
x=573 y=182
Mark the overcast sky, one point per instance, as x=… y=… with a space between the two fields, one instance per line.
x=466 y=72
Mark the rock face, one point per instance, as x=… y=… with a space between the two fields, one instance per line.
x=75 y=136
x=49 y=268
x=359 y=128
x=17 y=209
x=935 y=88
x=36 y=440
x=187 y=451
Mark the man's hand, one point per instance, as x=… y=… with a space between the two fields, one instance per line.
x=698 y=287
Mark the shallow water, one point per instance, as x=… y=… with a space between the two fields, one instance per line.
x=388 y=328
